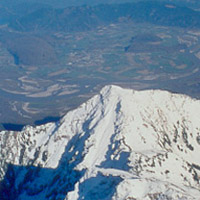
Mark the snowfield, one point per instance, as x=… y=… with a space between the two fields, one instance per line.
x=120 y=145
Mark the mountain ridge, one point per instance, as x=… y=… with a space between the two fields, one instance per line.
x=85 y=17
x=121 y=144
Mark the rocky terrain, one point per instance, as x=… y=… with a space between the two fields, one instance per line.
x=121 y=144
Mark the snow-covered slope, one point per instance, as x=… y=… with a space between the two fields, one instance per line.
x=121 y=144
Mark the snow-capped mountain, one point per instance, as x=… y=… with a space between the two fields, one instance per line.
x=120 y=145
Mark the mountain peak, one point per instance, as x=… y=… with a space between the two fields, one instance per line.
x=121 y=144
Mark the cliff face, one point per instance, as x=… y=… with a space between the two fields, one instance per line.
x=121 y=144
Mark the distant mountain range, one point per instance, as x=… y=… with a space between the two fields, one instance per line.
x=121 y=144
x=65 y=3
x=41 y=17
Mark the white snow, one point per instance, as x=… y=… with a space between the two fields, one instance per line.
x=143 y=143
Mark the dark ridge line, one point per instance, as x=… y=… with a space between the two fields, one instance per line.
x=19 y=127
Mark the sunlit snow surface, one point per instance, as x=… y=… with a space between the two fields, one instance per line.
x=121 y=144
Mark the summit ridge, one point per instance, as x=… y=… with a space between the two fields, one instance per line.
x=120 y=144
